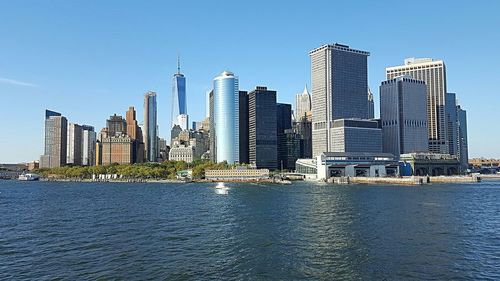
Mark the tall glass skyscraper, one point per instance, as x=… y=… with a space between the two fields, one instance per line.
x=179 y=103
x=150 y=127
x=226 y=117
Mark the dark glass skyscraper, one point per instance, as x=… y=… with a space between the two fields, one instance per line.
x=244 y=128
x=150 y=127
x=179 y=102
x=262 y=137
x=284 y=122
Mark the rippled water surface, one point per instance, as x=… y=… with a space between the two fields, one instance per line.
x=75 y=231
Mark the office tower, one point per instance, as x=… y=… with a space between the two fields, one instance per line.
x=116 y=125
x=463 y=148
x=262 y=123
x=244 y=127
x=56 y=134
x=433 y=73
x=293 y=149
x=403 y=115
x=207 y=104
x=302 y=104
x=339 y=79
x=150 y=127
x=226 y=118
x=74 y=144
x=284 y=122
x=371 y=105
x=303 y=127
x=179 y=102
x=356 y=135
x=451 y=119
x=197 y=125
x=174 y=133
x=89 y=138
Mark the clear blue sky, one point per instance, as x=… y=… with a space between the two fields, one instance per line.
x=90 y=59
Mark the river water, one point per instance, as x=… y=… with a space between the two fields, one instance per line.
x=304 y=231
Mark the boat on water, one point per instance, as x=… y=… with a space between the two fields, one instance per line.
x=220 y=188
x=28 y=177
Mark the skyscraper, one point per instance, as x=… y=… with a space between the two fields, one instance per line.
x=116 y=125
x=283 y=123
x=226 y=117
x=179 y=103
x=150 y=132
x=262 y=132
x=244 y=127
x=433 y=73
x=56 y=134
x=135 y=134
x=451 y=119
x=74 y=144
x=302 y=104
x=403 y=114
x=371 y=105
x=463 y=148
x=89 y=138
x=339 y=79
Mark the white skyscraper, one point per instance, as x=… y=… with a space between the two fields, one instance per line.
x=433 y=73
x=302 y=104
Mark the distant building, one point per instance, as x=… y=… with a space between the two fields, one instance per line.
x=150 y=127
x=89 y=138
x=371 y=105
x=302 y=104
x=262 y=128
x=116 y=125
x=284 y=122
x=451 y=119
x=115 y=149
x=179 y=101
x=293 y=150
x=356 y=135
x=237 y=174
x=74 y=144
x=182 y=153
x=433 y=73
x=197 y=125
x=135 y=134
x=403 y=115
x=431 y=164
x=244 y=127
x=303 y=127
x=463 y=147
x=183 y=121
x=56 y=134
x=226 y=118
x=339 y=78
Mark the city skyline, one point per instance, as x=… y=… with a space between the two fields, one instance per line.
x=29 y=86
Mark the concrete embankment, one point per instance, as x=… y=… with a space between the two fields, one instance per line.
x=454 y=179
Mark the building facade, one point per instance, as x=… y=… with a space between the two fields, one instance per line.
x=371 y=105
x=179 y=100
x=356 y=135
x=116 y=149
x=339 y=77
x=403 y=115
x=226 y=118
x=433 y=73
x=244 y=127
x=74 y=144
x=302 y=104
x=452 y=126
x=116 y=125
x=182 y=153
x=56 y=133
x=262 y=128
x=150 y=133
x=463 y=147
x=284 y=122
x=89 y=138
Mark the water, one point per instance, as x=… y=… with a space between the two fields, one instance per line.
x=75 y=231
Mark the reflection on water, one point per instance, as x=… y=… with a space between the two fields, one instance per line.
x=257 y=232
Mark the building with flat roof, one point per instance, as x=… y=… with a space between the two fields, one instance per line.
x=74 y=144
x=182 y=153
x=56 y=134
x=339 y=77
x=430 y=164
x=356 y=135
x=238 y=174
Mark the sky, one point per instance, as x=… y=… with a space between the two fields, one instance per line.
x=91 y=59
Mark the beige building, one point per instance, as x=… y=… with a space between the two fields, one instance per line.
x=433 y=73
x=237 y=174
x=182 y=153
x=117 y=149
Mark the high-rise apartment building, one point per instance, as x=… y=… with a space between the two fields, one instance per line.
x=262 y=133
x=74 y=144
x=433 y=73
x=150 y=133
x=116 y=125
x=302 y=104
x=339 y=77
x=226 y=118
x=403 y=115
x=56 y=133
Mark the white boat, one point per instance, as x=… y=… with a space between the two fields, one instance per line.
x=28 y=177
x=220 y=188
